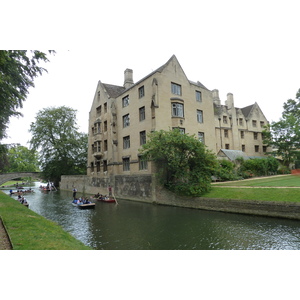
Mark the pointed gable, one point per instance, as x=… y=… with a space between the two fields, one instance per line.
x=248 y=111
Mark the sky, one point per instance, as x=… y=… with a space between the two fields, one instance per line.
x=247 y=48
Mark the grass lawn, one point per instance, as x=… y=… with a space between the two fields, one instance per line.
x=264 y=189
x=30 y=231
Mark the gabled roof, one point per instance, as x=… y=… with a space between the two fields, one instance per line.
x=113 y=90
x=246 y=110
x=232 y=154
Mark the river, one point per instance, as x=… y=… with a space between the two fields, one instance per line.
x=137 y=225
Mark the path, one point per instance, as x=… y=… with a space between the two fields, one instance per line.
x=4 y=240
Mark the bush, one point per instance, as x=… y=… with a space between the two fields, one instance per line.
x=226 y=171
x=259 y=166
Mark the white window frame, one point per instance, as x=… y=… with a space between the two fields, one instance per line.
x=200 y=116
x=178 y=110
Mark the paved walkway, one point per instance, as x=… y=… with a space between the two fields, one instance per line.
x=4 y=240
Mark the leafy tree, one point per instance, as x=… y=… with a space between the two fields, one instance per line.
x=184 y=164
x=3 y=158
x=284 y=135
x=18 y=69
x=62 y=149
x=21 y=159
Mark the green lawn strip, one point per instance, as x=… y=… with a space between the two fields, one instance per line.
x=261 y=194
x=30 y=231
x=276 y=181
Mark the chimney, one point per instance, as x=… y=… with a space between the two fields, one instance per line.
x=128 y=81
x=216 y=98
x=229 y=103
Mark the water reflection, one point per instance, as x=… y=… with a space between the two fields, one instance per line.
x=134 y=225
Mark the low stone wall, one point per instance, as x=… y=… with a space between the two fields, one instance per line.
x=252 y=207
x=144 y=189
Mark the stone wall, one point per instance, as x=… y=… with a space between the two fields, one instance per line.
x=130 y=187
x=144 y=189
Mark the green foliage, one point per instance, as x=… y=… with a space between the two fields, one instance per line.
x=183 y=163
x=259 y=167
x=284 y=135
x=62 y=149
x=226 y=170
x=18 y=69
x=21 y=159
x=3 y=158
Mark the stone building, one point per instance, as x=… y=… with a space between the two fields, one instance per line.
x=122 y=116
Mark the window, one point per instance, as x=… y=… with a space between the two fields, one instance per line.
x=199 y=116
x=141 y=92
x=126 y=164
x=97 y=128
x=241 y=121
x=198 y=96
x=98 y=146
x=126 y=142
x=254 y=123
x=225 y=121
x=125 y=101
x=142 y=113
x=262 y=124
x=105 y=107
x=105 y=125
x=98 y=165
x=264 y=149
x=98 y=110
x=143 y=164
x=126 y=121
x=243 y=148
x=255 y=135
x=201 y=137
x=105 y=145
x=256 y=148
x=226 y=133
x=176 y=89
x=242 y=134
x=227 y=146
x=177 y=110
x=98 y=95
x=104 y=165
x=142 y=137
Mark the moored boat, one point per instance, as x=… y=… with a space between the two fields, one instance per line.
x=108 y=200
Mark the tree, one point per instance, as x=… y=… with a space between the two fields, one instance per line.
x=184 y=164
x=3 y=158
x=284 y=135
x=21 y=159
x=18 y=69
x=62 y=149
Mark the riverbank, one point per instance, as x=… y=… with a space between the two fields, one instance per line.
x=27 y=230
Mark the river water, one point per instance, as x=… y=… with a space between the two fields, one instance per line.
x=136 y=225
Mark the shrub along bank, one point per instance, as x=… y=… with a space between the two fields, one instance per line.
x=29 y=231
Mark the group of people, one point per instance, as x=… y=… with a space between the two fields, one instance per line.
x=22 y=199
x=101 y=197
x=80 y=201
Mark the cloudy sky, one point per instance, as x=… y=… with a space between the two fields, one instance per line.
x=248 y=48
